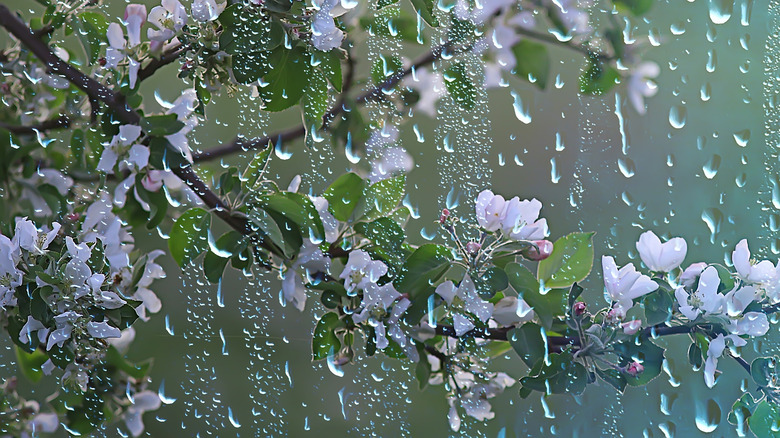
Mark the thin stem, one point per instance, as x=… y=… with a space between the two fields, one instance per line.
x=166 y=58
x=61 y=122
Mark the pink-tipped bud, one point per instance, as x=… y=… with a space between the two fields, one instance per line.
x=635 y=368
x=102 y=61
x=473 y=247
x=579 y=308
x=631 y=327
x=444 y=215
x=72 y=217
x=541 y=251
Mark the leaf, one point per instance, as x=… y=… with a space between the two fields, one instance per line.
x=384 y=67
x=533 y=61
x=325 y=342
x=765 y=421
x=562 y=375
x=91 y=28
x=382 y=3
x=460 y=86
x=570 y=261
x=330 y=64
x=380 y=198
x=694 y=356
x=395 y=24
x=658 y=306
x=598 y=78
x=528 y=342
x=492 y=281
x=386 y=234
x=637 y=8
x=647 y=353
x=136 y=371
x=423 y=268
x=423 y=369
x=314 y=103
x=614 y=378
x=424 y=9
x=189 y=235
x=741 y=410
x=343 y=195
x=30 y=363
x=546 y=305
x=214 y=264
x=764 y=371
x=162 y=125
x=262 y=220
x=298 y=209
x=283 y=71
x=248 y=30
x=254 y=171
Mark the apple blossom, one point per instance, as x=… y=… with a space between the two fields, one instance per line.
x=640 y=84
x=511 y=310
x=465 y=298
x=361 y=272
x=521 y=221
x=169 y=19
x=714 y=352
x=490 y=210
x=705 y=300
x=660 y=257
x=624 y=285
x=141 y=402
x=207 y=10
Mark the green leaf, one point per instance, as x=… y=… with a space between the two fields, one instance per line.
x=614 y=378
x=635 y=7
x=528 y=342
x=262 y=220
x=658 y=306
x=598 y=78
x=694 y=356
x=647 y=353
x=136 y=371
x=248 y=30
x=380 y=199
x=228 y=245
x=162 y=125
x=254 y=171
x=343 y=195
x=562 y=375
x=547 y=304
x=574 y=293
x=384 y=67
x=533 y=61
x=423 y=369
x=570 y=261
x=765 y=421
x=460 y=86
x=325 y=342
x=393 y=24
x=30 y=363
x=386 y=234
x=382 y=3
x=741 y=410
x=91 y=28
x=425 y=9
x=314 y=103
x=330 y=64
x=189 y=236
x=284 y=71
x=764 y=371
x=492 y=281
x=298 y=209
x=423 y=268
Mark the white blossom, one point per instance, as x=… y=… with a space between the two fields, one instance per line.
x=207 y=10
x=361 y=272
x=141 y=402
x=705 y=300
x=624 y=285
x=169 y=19
x=509 y=311
x=641 y=85
x=715 y=351
x=310 y=259
x=521 y=221
x=465 y=298
x=661 y=257
x=490 y=210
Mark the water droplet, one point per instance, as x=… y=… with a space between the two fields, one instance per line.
x=677 y=116
x=523 y=113
x=711 y=167
x=721 y=10
x=707 y=416
x=626 y=166
x=742 y=137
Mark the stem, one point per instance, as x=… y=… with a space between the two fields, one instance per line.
x=240 y=144
x=166 y=58
x=61 y=122
x=555 y=41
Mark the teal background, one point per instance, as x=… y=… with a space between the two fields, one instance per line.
x=264 y=374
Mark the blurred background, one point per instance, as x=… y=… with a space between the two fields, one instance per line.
x=701 y=163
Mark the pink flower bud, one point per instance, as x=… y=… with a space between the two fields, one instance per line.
x=72 y=217
x=444 y=215
x=152 y=182
x=541 y=251
x=635 y=368
x=579 y=308
x=631 y=327
x=473 y=247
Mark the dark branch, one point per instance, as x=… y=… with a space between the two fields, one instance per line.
x=168 y=57
x=240 y=144
x=61 y=122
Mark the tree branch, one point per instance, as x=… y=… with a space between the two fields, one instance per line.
x=241 y=144
x=61 y=122
x=157 y=63
x=115 y=102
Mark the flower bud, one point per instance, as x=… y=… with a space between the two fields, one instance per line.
x=72 y=217
x=635 y=368
x=631 y=327
x=102 y=61
x=444 y=215
x=473 y=247
x=541 y=251
x=579 y=308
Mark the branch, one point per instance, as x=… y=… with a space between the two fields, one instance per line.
x=547 y=38
x=241 y=144
x=115 y=102
x=60 y=122
x=157 y=63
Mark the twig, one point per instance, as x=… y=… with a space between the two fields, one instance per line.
x=60 y=122
x=241 y=144
x=166 y=58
